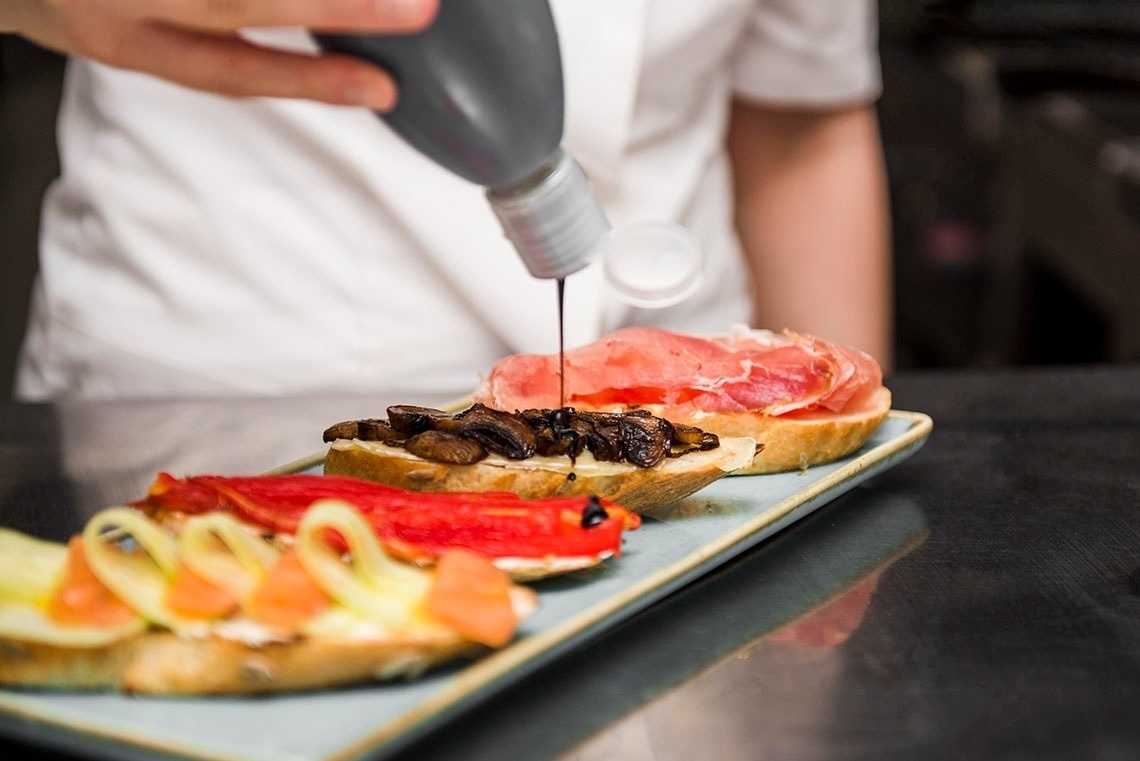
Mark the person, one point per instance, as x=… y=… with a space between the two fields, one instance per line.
x=232 y=218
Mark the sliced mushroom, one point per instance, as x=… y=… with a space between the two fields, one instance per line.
x=370 y=429
x=440 y=446
x=500 y=432
x=693 y=437
x=345 y=430
x=410 y=419
x=547 y=443
x=560 y=432
x=637 y=437
x=603 y=435
x=646 y=440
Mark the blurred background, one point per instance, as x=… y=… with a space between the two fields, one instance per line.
x=1012 y=135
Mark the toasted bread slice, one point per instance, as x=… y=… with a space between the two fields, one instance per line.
x=163 y=663
x=793 y=441
x=632 y=487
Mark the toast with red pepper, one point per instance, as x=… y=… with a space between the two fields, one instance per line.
x=529 y=539
x=635 y=459
x=217 y=609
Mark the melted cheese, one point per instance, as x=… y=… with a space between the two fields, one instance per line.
x=248 y=632
x=550 y=564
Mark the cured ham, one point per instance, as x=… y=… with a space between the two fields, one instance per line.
x=746 y=371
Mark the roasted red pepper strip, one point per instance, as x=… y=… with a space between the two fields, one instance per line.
x=413 y=525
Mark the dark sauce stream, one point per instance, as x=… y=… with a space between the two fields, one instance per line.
x=559 y=418
x=561 y=342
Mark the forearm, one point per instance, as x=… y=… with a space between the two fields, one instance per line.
x=812 y=215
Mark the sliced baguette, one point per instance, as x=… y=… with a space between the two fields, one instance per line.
x=632 y=487
x=163 y=663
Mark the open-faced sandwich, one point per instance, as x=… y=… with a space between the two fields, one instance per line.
x=635 y=458
x=529 y=539
x=804 y=400
x=216 y=609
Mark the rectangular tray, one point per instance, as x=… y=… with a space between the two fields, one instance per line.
x=676 y=544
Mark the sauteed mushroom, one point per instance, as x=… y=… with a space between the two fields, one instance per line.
x=558 y=432
x=604 y=435
x=694 y=437
x=410 y=419
x=636 y=437
x=499 y=432
x=371 y=429
x=646 y=440
x=440 y=446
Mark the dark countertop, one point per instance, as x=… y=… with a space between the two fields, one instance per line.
x=995 y=610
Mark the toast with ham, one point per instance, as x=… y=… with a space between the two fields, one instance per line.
x=804 y=400
x=218 y=610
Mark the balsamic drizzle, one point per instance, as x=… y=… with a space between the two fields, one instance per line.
x=561 y=342
x=559 y=419
x=560 y=427
x=594 y=514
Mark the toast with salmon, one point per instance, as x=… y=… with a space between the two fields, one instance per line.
x=217 y=610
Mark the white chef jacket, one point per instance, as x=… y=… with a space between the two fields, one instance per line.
x=197 y=245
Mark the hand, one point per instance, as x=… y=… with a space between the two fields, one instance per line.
x=195 y=42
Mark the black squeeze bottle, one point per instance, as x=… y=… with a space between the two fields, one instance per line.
x=481 y=93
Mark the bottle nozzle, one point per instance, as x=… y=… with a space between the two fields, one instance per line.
x=553 y=219
x=557 y=227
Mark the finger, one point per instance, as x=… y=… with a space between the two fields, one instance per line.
x=395 y=16
x=233 y=67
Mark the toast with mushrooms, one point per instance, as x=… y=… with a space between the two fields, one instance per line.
x=635 y=459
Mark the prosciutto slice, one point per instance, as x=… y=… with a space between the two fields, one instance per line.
x=747 y=371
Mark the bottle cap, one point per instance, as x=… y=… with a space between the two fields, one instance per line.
x=652 y=264
x=553 y=219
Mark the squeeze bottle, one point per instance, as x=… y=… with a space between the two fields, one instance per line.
x=481 y=93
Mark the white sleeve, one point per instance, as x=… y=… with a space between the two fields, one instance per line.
x=809 y=53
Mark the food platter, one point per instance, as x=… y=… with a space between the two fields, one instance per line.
x=676 y=544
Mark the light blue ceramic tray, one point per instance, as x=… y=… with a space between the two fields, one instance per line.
x=676 y=544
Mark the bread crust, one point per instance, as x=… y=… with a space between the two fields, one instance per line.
x=163 y=663
x=632 y=487
x=795 y=441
